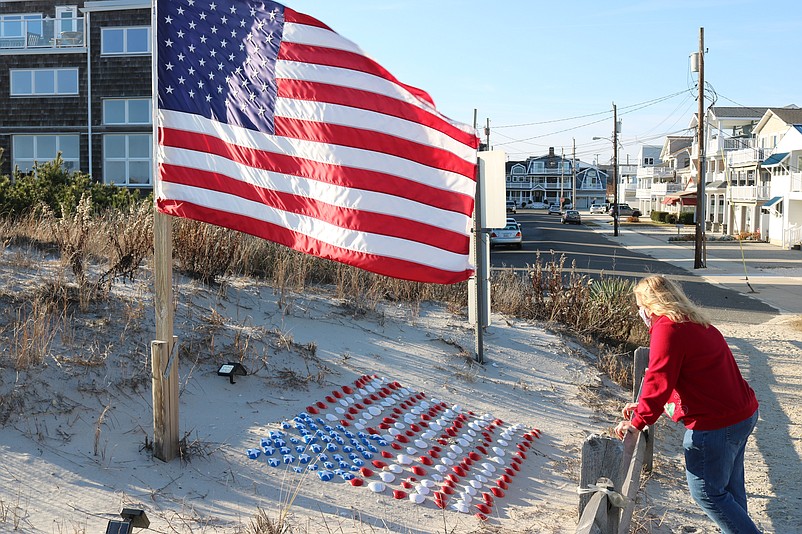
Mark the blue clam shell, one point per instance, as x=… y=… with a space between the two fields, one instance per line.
x=331 y=447
x=304 y=458
x=328 y=465
x=325 y=476
x=373 y=449
x=348 y=449
x=279 y=442
x=354 y=467
x=347 y=476
x=344 y=465
x=300 y=448
x=285 y=425
x=268 y=450
x=288 y=458
x=273 y=462
x=359 y=462
x=311 y=467
x=285 y=450
x=348 y=433
x=321 y=422
x=368 y=455
x=315 y=448
x=265 y=442
x=253 y=454
x=337 y=457
x=323 y=457
x=276 y=434
x=294 y=440
x=298 y=469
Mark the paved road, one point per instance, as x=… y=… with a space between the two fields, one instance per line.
x=595 y=255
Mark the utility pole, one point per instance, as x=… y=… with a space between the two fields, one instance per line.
x=573 y=174
x=479 y=257
x=562 y=170
x=699 y=249
x=615 y=171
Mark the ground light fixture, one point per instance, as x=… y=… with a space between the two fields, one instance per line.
x=231 y=369
x=132 y=518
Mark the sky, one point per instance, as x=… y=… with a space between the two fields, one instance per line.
x=546 y=74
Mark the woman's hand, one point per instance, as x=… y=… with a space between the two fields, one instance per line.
x=623 y=427
x=628 y=409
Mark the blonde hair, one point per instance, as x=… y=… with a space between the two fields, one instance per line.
x=663 y=297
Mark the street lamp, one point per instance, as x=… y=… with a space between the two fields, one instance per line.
x=615 y=181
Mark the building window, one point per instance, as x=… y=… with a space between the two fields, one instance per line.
x=126 y=111
x=127 y=159
x=125 y=41
x=40 y=82
x=19 y=25
x=30 y=149
x=648 y=161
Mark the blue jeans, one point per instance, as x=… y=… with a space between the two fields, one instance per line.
x=714 y=467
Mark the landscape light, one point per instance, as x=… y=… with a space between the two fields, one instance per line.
x=132 y=518
x=231 y=369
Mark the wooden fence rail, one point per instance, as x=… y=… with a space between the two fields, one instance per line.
x=610 y=474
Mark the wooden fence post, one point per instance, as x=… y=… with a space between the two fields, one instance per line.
x=640 y=364
x=601 y=458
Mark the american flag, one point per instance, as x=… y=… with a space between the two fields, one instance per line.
x=272 y=124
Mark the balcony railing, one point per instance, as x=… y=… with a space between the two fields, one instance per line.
x=726 y=144
x=655 y=172
x=42 y=34
x=749 y=193
x=665 y=188
x=748 y=155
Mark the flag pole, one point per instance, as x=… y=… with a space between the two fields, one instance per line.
x=164 y=359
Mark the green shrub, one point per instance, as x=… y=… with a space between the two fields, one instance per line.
x=53 y=186
x=659 y=216
x=671 y=218
x=686 y=217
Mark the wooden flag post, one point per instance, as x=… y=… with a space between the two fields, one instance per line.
x=164 y=358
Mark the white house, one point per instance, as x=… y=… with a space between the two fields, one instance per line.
x=780 y=132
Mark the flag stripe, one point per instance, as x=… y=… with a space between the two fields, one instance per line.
x=370 y=101
x=307 y=30
x=261 y=150
x=350 y=242
x=273 y=198
x=327 y=133
x=387 y=266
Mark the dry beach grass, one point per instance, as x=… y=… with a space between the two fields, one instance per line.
x=75 y=405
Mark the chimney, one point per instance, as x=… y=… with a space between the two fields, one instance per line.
x=551 y=151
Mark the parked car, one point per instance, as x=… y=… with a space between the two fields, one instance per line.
x=597 y=208
x=571 y=217
x=511 y=208
x=510 y=235
x=554 y=209
x=624 y=210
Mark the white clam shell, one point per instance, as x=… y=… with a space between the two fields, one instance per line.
x=457 y=449
x=475 y=484
x=502 y=442
x=470 y=490
x=423 y=490
x=499 y=451
x=497 y=460
x=436 y=427
x=394 y=468
x=331 y=417
x=447 y=461
x=386 y=476
x=339 y=409
x=393 y=431
x=374 y=410
x=419 y=443
x=426 y=483
x=440 y=468
x=417 y=498
x=376 y=486
x=404 y=459
x=460 y=506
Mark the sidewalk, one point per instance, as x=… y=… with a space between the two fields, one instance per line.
x=762 y=271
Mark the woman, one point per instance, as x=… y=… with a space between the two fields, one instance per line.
x=693 y=377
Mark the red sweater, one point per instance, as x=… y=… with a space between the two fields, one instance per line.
x=693 y=377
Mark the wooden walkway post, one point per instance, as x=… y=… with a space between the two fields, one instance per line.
x=164 y=359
